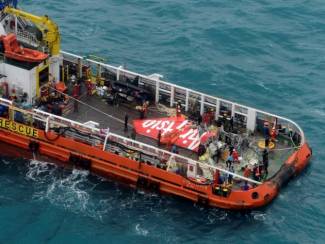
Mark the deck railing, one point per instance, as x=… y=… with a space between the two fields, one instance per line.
x=49 y=120
x=186 y=96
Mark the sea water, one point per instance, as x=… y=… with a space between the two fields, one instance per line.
x=266 y=54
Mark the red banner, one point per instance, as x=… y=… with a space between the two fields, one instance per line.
x=174 y=130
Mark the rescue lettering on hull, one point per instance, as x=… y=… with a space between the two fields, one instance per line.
x=18 y=128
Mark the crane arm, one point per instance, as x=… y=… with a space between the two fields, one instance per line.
x=49 y=29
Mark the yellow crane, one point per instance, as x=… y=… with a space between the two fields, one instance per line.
x=50 y=31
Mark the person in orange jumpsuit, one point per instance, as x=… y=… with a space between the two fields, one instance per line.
x=273 y=134
x=247 y=172
x=89 y=86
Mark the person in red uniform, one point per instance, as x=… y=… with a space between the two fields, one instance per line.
x=89 y=86
x=159 y=138
x=75 y=95
x=247 y=172
x=235 y=156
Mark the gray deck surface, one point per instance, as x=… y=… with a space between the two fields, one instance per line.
x=115 y=120
x=112 y=117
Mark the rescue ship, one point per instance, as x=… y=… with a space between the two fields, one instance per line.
x=138 y=129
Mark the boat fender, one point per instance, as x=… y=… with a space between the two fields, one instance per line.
x=283 y=176
x=255 y=195
x=33 y=146
x=217 y=190
x=203 y=201
x=154 y=187
x=78 y=161
x=85 y=163
x=142 y=183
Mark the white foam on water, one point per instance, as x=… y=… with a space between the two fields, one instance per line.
x=67 y=193
x=261 y=84
x=140 y=230
x=37 y=168
x=6 y=162
x=259 y=216
x=65 y=190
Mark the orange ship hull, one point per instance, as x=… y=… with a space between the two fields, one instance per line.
x=72 y=152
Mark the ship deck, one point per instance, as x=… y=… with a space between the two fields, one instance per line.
x=112 y=117
x=94 y=108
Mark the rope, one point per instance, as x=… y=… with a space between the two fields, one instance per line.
x=57 y=136
x=287 y=148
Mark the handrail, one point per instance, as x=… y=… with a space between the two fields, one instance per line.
x=197 y=92
x=50 y=118
x=105 y=141
x=157 y=150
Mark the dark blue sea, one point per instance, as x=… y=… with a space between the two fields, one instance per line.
x=266 y=54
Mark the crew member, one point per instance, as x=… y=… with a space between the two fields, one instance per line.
x=235 y=155
x=266 y=132
x=257 y=173
x=126 y=119
x=178 y=109
x=56 y=110
x=174 y=149
x=265 y=160
x=217 y=155
x=201 y=150
x=89 y=86
x=267 y=142
x=229 y=161
x=143 y=110
x=75 y=95
x=273 y=133
x=199 y=118
x=231 y=124
x=13 y=95
x=133 y=134
x=245 y=187
x=159 y=138
x=247 y=172
x=230 y=176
